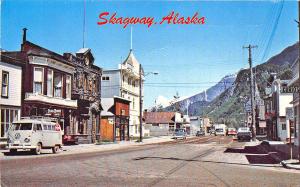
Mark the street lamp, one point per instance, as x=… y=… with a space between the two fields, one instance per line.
x=141 y=101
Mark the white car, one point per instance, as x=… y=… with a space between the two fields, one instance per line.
x=34 y=135
x=180 y=134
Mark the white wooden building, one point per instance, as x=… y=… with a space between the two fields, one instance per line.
x=125 y=82
x=10 y=93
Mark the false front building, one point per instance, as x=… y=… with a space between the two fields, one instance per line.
x=125 y=82
x=86 y=90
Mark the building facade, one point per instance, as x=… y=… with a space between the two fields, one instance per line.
x=115 y=119
x=164 y=123
x=11 y=88
x=296 y=95
x=47 y=84
x=125 y=82
x=85 y=125
x=277 y=103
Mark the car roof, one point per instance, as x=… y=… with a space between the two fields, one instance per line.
x=34 y=121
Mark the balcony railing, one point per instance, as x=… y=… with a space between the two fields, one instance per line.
x=51 y=100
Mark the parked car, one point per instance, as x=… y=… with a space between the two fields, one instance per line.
x=244 y=133
x=212 y=132
x=34 y=135
x=200 y=133
x=180 y=134
x=220 y=132
x=231 y=132
x=220 y=129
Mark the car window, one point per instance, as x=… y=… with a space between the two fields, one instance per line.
x=45 y=127
x=49 y=127
x=22 y=126
x=38 y=127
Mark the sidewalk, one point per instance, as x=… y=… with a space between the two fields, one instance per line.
x=89 y=148
x=283 y=154
x=83 y=148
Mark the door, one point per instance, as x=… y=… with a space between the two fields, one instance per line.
x=37 y=134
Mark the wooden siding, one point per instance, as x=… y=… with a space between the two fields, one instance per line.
x=106 y=130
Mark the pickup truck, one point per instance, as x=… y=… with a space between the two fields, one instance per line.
x=244 y=133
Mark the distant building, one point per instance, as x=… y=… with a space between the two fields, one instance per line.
x=196 y=123
x=11 y=87
x=125 y=82
x=296 y=95
x=276 y=105
x=164 y=123
x=115 y=119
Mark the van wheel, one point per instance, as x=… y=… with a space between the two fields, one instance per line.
x=55 y=149
x=13 y=151
x=38 y=149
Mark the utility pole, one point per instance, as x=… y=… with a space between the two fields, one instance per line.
x=253 y=124
x=298 y=82
x=141 y=105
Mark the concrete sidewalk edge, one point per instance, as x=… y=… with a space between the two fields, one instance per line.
x=290 y=165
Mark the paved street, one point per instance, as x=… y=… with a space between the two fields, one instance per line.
x=203 y=161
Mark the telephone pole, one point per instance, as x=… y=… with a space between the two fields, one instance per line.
x=298 y=80
x=298 y=21
x=253 y=124
x=141 y=104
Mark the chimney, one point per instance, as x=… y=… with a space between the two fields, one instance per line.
x=24 y=34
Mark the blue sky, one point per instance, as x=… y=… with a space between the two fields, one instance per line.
x=200 y=54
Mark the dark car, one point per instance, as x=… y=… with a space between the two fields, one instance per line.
x=244 y=133
x=200 y=133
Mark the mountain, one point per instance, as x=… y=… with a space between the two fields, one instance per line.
x=227 y=107
x=199 y=101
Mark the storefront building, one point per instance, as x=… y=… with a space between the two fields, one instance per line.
x=47 y=84
x=115 y=119
x=85 y=126
x=10 y=93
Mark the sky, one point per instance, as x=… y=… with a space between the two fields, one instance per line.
x=189 y=58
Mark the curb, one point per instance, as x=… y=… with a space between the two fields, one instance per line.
x=274 y=156
x=288 y=166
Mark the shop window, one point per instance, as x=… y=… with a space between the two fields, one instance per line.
x=283 y=126
x=4 y=87
x=38 y=80
x=68 y=87
x=57 y=85
x=2 y=116
x=7 y=116
x=296 y=122
x=50 y=83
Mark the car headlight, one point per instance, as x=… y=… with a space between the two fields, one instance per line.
x=26 y=140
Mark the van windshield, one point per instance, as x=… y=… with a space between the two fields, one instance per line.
x=22 y=126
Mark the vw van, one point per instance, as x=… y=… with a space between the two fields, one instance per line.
x=34 y=135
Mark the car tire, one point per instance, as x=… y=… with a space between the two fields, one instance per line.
x=55 y=149
x=13 y=151
x=38 y=149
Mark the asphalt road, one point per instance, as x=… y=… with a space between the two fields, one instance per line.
x=177 y=163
